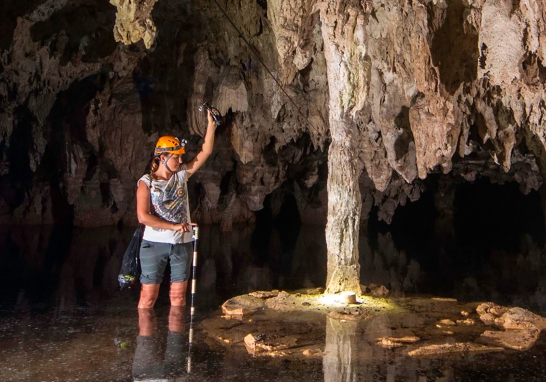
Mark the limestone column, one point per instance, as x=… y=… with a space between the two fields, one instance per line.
x=342 y=32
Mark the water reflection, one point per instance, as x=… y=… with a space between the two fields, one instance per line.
x=351 y=354
x=48 y=267
x=340 y=352
x=149 y=363
x=61 y=313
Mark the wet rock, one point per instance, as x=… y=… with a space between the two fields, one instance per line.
x=446 y=322
x=263 y=344
x=242 y=305
x=516 y=339
x=452 y=348
x=519 y=318
x=312 y=353
x=394 y=342
x=488 y=318
x=264 y=295
x=492 y=308
x=510 y=318
x=468 y=321
x=488 y=312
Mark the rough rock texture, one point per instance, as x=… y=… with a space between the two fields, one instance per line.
x=389 y=91
x=522 y=328
x=134 y=21
x=517 y=339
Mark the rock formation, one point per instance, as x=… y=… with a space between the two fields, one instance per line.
x=373 y=96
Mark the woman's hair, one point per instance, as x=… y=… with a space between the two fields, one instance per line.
x=155 y=166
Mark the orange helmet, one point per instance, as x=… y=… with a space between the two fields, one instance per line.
x=170 y=144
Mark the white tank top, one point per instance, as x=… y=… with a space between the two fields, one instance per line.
x=170 y=203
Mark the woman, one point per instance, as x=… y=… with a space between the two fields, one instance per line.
x=162 y=206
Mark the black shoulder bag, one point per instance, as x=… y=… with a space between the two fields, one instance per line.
x=130 y=265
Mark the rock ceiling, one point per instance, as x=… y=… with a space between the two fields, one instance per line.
x=414 y=88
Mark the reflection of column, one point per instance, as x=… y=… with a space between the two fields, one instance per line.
x=340 y=353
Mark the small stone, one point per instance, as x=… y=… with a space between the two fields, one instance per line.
x=312 y=352
x=446 y=322
x=347 y=297
x=465 y=313
x=393 y=342
x=468 y=321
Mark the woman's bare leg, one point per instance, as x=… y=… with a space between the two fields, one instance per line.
x=148 y=296
x=178 y=293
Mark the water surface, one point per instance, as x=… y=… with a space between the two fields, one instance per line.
x=63 y=319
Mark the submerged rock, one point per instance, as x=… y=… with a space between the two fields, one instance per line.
x=452 y=348
x=393 y=342
x=292 y=325
x=242 y=305
x=516 y=339
x=264 y=344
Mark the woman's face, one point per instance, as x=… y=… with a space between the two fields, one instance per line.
x=174 y=162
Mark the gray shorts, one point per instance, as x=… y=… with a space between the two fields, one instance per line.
x=153 y=260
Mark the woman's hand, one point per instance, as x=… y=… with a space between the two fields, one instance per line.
x=182 y=227
x=210 y=118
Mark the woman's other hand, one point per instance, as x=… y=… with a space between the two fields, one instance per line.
x=182 y=227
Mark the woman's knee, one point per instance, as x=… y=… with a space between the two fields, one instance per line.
x=148 y=296
x=177 y=293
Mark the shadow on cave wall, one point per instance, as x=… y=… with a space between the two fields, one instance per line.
x=161 y=79
x=479 y=248
x=10 y=11
x=88 y=31
x=453 y=51
x=66 y=127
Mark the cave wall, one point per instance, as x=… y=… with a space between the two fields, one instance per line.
x=454 y=87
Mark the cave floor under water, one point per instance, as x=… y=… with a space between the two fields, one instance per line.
x=63 y=319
